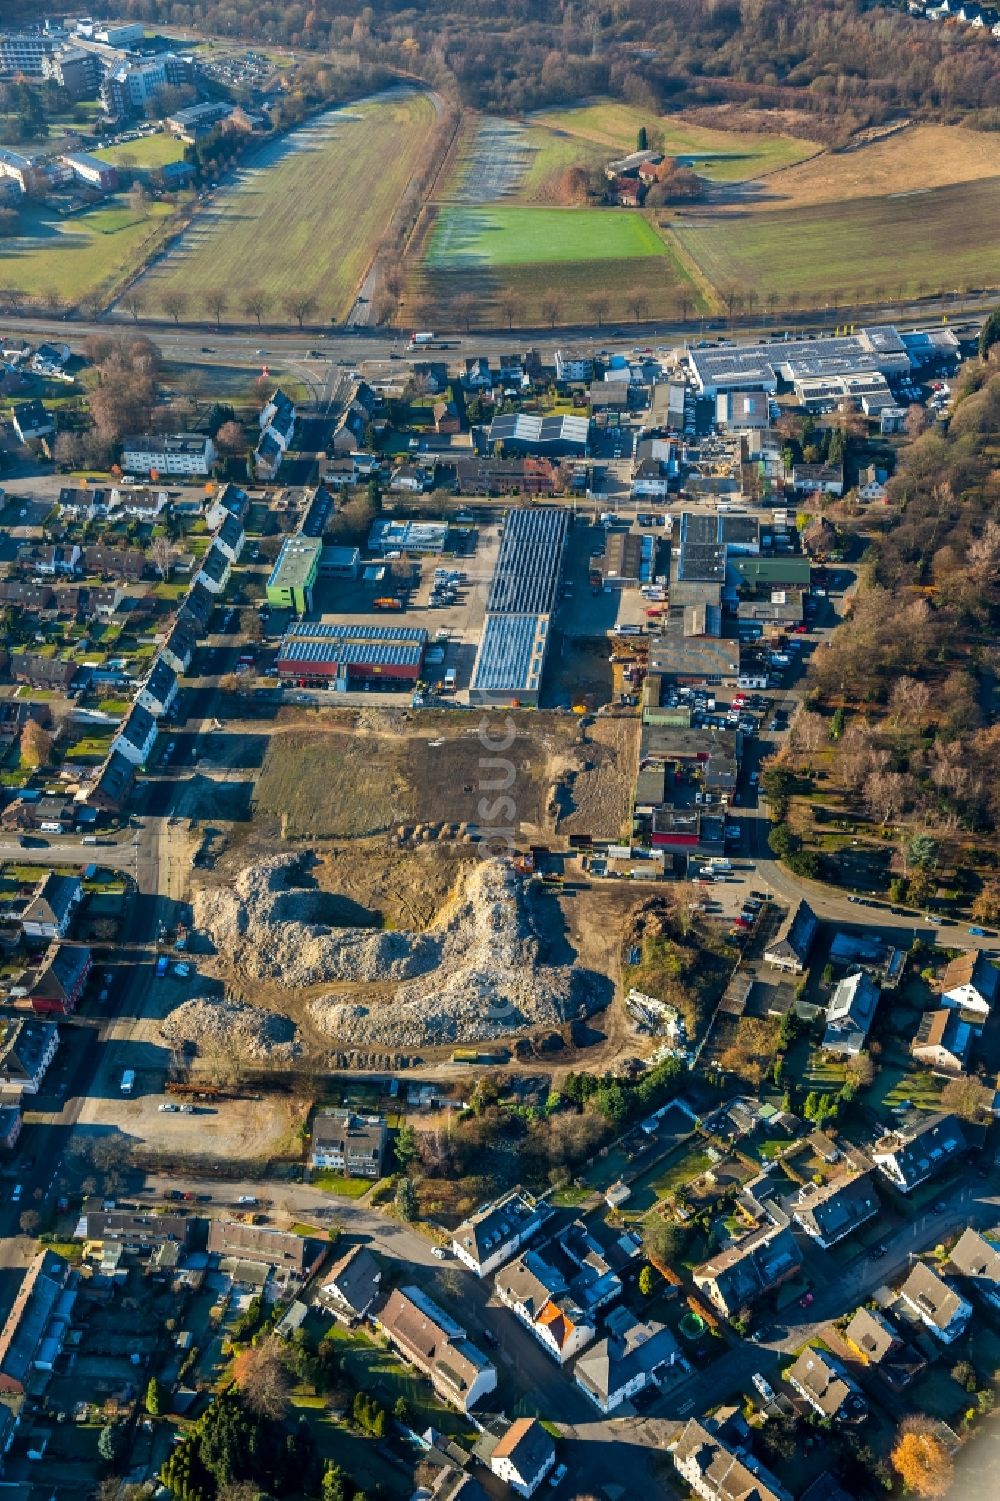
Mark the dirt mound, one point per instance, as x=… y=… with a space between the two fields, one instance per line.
x=247 y=1031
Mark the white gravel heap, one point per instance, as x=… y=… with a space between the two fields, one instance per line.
x=487 y=981
x=247 y=1031
x=476 y=975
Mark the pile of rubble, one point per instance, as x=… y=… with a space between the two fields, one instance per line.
x=476 y=975
x=488 y=980
x=273 y=929
x=248 y=1032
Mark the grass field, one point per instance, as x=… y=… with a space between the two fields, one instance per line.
x=870 y=247
x=512 y=235
x=75 y=256
x=721 y=155
x=308 y=214
x=148 y=153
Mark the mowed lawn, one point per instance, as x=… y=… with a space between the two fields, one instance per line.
x=148 y=153
x=515 y=235
x=921 y=242
x=721 y=155
x=77 y=255
x=307 y=215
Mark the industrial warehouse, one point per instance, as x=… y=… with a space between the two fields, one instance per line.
x=517 y=629
x=759 y=367
x=351 y=657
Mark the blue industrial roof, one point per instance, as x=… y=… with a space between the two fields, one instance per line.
x=511 y=654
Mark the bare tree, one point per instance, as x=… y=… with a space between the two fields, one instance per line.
x=465 y=305
x=299 y=305
x=599 y=305
x=552 y=307
x=29 y=1222
x=216 y=301
x=509 y=304
x=132 y=303
x=639 y=306
x=256 y=304
x=261 y=1373
x=175 y=304
x=161 y=555
x=94 y=302
x=683 y=304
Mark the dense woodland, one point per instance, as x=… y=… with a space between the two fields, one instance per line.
x=845 y=62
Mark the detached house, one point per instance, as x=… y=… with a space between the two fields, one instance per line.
x=632 y=1356
x=353 y=1285
x=977 y=1260
x=31 y=421
x=493 y=1234
x=878 y=1344
x=26 y=1050
x=913 y=1154
x=50 y=910
x=348 y=1143
x=426 y=1337
x=789 y=949
x=717 y=1473
x=943 y=1040
x=524 y=1456
x=740 y=1276
x=820 y=1379
x=936 y=1303
x=355 y=419
x=850 y=1014
x=55 y=986
x=970 y=985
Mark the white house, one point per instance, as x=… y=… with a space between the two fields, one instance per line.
x=137 y=736
x=172 y=453
x=537 y=1294
x=715 y=1472
x=935 y=1303
x=970 y=985
x=524 y=1456
x=215 y=569
x=491 y=1236
x=627 y=1360
x=159 y=691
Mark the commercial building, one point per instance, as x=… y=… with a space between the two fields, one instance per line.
x=73 y=69
x=348 y=657
x=91 y=170
x=759 y=367
x=554 y=437
x=197 y=120
x=120 y=33
x=24 y=52
x=422 y=538
x=131 y=87
x=742 y=411
x=426 y=1337
x=295 y=572
x=511 y=657
x=350 y=1144
x=173 y=453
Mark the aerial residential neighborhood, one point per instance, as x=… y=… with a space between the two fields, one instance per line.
x=499 y=897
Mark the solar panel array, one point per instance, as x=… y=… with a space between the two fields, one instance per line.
x=511 y=654
x=870 y=349
x=527 y=568
x=348 y=653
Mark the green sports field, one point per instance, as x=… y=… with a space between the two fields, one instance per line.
x=146 y=154
x=465 y=238
x=905 y=244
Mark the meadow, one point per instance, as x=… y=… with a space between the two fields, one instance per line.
x=720 y=155
x=871 y=248
x=306 y=215
x=80 y=255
